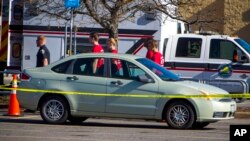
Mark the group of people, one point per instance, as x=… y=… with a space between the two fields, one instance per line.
x=43 y=55
x=151 y=44
x=97 y=48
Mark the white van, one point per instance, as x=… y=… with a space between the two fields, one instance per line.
x=218 y=60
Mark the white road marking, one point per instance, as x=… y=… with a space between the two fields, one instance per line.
x=53 y=138
x=21 y=117
x=32 y=116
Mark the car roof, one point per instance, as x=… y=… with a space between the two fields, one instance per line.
x=200 y=35
x=106 y=55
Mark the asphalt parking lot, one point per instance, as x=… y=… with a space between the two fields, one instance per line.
x=30 y=127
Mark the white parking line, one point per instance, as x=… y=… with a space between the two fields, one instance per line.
x=49 y=138
x=21 y=117
x=31 y=116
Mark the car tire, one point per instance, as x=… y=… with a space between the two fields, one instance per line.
x=54 y=110
x=200 y=125
x=180 y=115
x=77 y=120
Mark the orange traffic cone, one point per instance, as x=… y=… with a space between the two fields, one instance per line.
x=14 y=108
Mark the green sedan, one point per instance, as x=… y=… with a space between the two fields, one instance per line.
x=120 y=86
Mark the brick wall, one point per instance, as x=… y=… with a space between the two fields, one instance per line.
x=232 y=16
x=237 y=18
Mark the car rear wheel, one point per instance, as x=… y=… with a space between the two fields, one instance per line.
x=200 y=125
x=54 y=110
x=180 y=115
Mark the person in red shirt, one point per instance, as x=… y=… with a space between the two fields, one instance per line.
x=150 y=52
x=97 y=48
x=112 y=47
x=157 y=56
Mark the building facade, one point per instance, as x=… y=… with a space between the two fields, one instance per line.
x=232 y=16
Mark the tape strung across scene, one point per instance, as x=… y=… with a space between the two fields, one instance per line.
x=3 y=87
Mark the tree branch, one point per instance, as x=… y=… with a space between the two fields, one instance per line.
x=105 y=4
x=93 y=13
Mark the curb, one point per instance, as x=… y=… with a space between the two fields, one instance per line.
x=243 y=109
x=242 y=112
x=242 y=115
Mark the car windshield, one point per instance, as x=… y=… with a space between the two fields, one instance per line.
x=160 y=71
x=244 y=44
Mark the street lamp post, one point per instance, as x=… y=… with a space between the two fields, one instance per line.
x=71 y=30
x=71 y=4
x=66 y=39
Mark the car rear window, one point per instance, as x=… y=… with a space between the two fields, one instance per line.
x=63 y=67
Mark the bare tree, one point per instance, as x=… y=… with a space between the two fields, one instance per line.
x=109 y=13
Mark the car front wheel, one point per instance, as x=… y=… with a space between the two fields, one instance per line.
x=180 y=115
x=54 y=110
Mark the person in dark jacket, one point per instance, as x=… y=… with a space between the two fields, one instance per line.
x=43 y=54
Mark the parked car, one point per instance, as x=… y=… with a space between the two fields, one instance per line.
x=136 y=75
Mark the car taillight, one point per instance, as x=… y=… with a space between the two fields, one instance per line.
x=25 y=77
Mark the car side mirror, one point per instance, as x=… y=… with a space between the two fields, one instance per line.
x=243 y=59
x=145 y=79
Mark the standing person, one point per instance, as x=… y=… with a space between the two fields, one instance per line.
x=43 y=54
x=150 y=52
x=97 y=48
x=112 y=47
x=157 y=56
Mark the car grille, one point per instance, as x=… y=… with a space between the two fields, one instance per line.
x=223 y=114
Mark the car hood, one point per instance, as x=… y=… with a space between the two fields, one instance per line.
x=202 y=87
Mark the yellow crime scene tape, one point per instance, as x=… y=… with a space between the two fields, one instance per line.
x=3 y=87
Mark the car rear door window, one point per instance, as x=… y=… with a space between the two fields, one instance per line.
x=85 y=66
x=189 y=47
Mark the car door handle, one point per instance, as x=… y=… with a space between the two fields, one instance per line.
x=73 y=78
x=118 y=82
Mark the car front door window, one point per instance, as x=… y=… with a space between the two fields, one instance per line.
x=127 y=70
x=224 y=49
